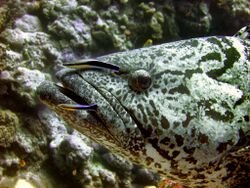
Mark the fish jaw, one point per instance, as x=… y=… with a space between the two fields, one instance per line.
x=189 y=118
x=118 y=132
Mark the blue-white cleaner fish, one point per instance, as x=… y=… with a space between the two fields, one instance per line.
x=180 y=108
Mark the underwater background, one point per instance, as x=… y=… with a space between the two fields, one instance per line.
x=37 y=148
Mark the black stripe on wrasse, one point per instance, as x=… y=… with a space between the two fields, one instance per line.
x=72 y=107
x=81 y=104
x=91 y=63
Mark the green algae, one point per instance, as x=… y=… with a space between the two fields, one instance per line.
x=8 y=123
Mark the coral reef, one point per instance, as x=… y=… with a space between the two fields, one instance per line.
x=70 y=152
x=72 y=157
x=4 y=13
x=28 y=180
x=8 y=123
x=35 y=47
x=230 y=15
x=18 y=87
x=193 y=18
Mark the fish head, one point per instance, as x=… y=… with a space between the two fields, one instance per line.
x=171 y=107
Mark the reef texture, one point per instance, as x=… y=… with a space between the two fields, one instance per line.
x=36 y=37
x=8 y=122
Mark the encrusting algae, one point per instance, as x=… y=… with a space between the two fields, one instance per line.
x=8 y=122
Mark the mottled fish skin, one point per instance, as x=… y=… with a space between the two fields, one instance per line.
x=191 y=124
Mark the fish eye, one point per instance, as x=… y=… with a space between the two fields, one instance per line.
x=140 y=80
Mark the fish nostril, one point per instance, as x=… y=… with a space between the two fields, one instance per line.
x=140 y=80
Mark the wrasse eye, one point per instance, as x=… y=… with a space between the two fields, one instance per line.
x=91 y=63
x=140 y=80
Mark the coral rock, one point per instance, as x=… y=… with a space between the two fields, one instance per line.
x=8 y=122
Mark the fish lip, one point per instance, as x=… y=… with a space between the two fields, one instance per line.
x=110 y=112
x=109 y=100
x=50 y=94
x=138 y=125
x=124 y=116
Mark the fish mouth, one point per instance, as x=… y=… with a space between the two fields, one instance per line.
x=84 y=121
x=84 y=105
x=106 y=121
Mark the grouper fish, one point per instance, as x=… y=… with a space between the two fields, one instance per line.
x=180 y=109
